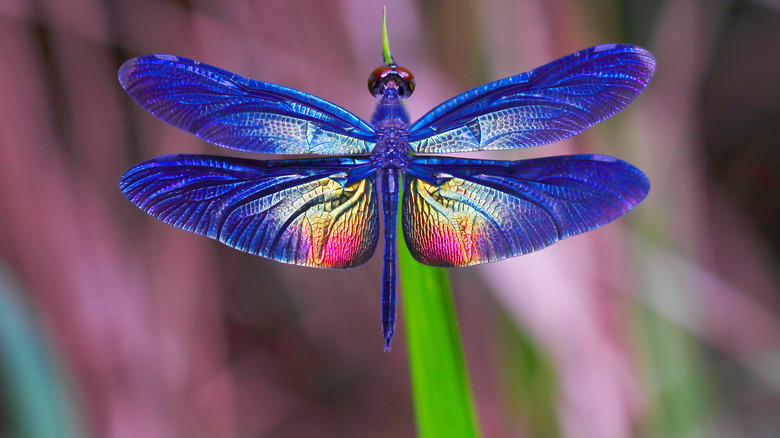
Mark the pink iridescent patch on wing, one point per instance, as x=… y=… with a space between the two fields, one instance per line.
x=338 y=234
x=441 y=232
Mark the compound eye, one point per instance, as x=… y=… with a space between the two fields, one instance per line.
x=407 y=86
x=375 y=80
x=401 y=78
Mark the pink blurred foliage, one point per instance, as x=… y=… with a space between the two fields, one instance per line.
x=169 y=334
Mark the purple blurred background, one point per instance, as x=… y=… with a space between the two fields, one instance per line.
x=664 y=323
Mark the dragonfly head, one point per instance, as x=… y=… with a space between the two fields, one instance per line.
x=391 y=75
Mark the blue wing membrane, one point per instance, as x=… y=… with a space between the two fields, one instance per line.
x=239 y=113
x=304 y=212
x=548 y=104
x=460 y=212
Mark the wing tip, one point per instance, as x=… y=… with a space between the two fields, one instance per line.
x=128 y=69
x=644 y=56
x=126 y=72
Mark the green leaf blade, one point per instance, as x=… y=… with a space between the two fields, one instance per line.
x=441 y=391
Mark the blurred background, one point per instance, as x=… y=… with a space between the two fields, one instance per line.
x=664 y=323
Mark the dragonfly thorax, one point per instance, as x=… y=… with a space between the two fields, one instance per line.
x=392 y=147
x=389 y=110
x=391 y=122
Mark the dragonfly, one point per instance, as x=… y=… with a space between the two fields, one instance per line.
x=323 y=211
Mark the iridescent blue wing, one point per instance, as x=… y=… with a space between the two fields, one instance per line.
x=459 y=212
x=232 y=111
x=548 y=104
x=305 y=212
